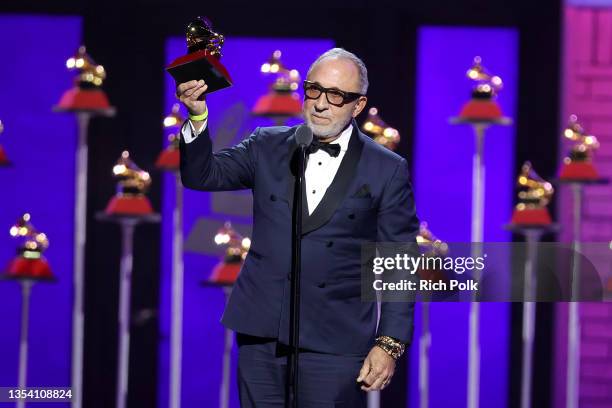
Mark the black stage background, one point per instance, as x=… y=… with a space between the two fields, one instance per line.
x=128 y=39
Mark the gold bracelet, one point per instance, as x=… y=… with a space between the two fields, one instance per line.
x=391 y=346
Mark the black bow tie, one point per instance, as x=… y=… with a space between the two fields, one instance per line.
x=333 y=149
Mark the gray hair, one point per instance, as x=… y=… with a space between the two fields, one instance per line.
x=342 y=53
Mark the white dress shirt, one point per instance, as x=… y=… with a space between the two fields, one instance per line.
x=320 y=170
x=190 y=132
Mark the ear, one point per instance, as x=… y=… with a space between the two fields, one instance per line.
x=359 y=106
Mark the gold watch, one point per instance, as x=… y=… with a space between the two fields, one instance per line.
x=391 y=346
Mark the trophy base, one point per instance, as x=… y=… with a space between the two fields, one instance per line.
x=129 y=205
x=536 y=216
x=278 y=104
x=200 y=65
x=77 y=99
x=28 y=269
x=578 y=171
x=169 y=159
x=225 y=273
x=481 y=110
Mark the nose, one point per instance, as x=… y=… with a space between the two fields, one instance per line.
x=321 y=103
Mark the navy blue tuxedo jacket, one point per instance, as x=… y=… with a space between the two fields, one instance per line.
x=369 y=200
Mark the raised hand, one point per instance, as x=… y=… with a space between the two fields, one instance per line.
x=189 y=93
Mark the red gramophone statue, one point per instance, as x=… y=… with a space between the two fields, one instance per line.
x=29 y=264
x=203 y=58
x=578 y=164
x=534 y=195
x=169 y=158
x=85 y=99
x=282 y=101
x=4 y=161
x=431 y=247
x=224 y=275
x=482 y=107
x=87 y=93
x=27 y=268
x=382 y=133
x=226 y=272
x=130 y=199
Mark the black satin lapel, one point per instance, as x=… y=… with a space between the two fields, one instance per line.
x=339 y=186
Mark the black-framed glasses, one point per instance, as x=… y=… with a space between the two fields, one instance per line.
x=334 y=96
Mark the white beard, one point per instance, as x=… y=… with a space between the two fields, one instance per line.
x=324 y=132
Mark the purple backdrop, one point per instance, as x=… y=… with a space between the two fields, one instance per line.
x=41 y=145
x=442 y=179
x=229 y=115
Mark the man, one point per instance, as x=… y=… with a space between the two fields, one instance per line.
x=356 y=192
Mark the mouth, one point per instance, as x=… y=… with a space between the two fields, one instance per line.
x=319 y=119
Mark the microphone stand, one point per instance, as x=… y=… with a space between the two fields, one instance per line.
x=294 y=334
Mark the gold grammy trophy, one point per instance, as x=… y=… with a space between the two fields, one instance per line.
x=481 y=111
x=431 y=246
x=128 y=208
x=86 y=99
x=380 y=131
x=203 y=58
x=224 y=275
x=534 y=195
x=578 y=171
x=27 y=268
x=532 y=220
x=130 y=199
x=226 y=272
x=169 y=158
x=29 y=264
x=483 y=106
x=578 y=164
x=282 y=101
x=86 y=94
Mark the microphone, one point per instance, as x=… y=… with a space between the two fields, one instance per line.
x=303 y=138
x=303 y=135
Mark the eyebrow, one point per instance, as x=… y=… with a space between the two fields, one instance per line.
x=333 y=88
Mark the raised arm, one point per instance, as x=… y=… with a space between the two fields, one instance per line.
x=231 y=168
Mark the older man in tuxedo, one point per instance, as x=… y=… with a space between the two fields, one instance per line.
x=355 y=192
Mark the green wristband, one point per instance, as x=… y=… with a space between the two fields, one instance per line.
x=199 y=118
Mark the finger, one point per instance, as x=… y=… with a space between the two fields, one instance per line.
x=365 y=369
x=185 y=100
x=181 y=88
x=386 y=383
x=189 y=104
x=196 y=94
x=199 y=85
x=376 y=385
x=190 y=91
x=373 y=376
